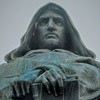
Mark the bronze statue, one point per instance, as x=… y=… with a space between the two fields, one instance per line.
x=51 y=52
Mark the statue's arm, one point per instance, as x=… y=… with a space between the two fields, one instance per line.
x=13 y=74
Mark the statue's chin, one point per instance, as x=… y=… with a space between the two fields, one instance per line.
x=51 y=41
x=49 y=44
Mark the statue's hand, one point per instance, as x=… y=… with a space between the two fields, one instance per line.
x=22 y=86
x=20 y=89
x=53 y=81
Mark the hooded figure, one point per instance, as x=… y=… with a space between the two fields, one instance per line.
x=28 y=41
x=73 y=59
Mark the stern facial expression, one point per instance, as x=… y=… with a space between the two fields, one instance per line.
x=51 y=28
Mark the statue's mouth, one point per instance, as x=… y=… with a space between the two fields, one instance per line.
x=51 y=35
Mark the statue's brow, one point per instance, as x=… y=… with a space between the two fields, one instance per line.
x=46 y=18
x=51 y=17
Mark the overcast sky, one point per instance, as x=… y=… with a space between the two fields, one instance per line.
x=15 y=16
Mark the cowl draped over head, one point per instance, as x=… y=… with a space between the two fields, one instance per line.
x=28 y=41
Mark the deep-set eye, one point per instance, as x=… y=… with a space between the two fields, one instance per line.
x=59 y=21
x=43 y=21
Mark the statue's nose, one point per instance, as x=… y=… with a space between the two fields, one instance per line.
x=51 y=25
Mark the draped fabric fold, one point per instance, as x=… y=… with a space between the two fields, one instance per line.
x=86 y=69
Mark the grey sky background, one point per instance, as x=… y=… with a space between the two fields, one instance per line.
x=15 y=16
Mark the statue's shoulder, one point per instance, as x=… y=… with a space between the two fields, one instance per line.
x=13 y=68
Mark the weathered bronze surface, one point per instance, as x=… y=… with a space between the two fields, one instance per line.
x=51 y=62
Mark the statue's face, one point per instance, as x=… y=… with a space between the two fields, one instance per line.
x=51 y=30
